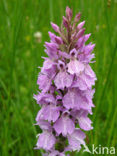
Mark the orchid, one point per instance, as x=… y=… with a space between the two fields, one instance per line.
x=65 y=88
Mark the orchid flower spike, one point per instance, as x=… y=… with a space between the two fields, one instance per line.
x=65 y=89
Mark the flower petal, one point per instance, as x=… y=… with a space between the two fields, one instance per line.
x=63 y=79
x=64 y=125
x=76 y=139
x=46 y=140
x=75 y=67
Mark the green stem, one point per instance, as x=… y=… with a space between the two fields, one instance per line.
x=72 y=153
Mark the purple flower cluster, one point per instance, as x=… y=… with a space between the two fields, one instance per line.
x=65 y=84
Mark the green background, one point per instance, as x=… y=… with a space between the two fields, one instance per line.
x=20 y=55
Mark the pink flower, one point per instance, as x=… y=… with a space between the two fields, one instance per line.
x=65 y=84
x=46 y=140
x=76 y=139
x=63 y=79
x=64 y=125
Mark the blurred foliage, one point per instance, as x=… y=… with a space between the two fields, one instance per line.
x=20 y=55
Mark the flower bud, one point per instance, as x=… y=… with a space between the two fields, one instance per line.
x=65 y=22
x=77 y=17
x=80 y=33
x=68 y=13
x=80 y=25
x=55 y=27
